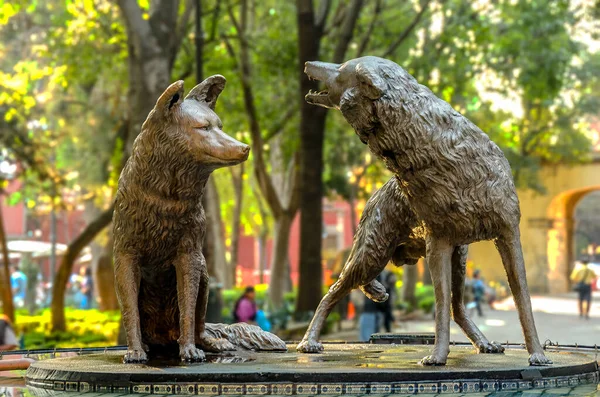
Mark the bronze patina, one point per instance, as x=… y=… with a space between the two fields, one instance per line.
x=159 y=225
x=455 y=180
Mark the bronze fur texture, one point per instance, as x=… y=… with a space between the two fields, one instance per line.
x=390 y=231
x=455 y=179
x=159 y=226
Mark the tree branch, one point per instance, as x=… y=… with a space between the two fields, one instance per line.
x=137 y=27
x=281 y=123
x=407 y=31
x=215 y=17
x=264 y=181
x=367 y=36
x=338 y=19
x=182 y=26
x=347 y=31
x=66 y=265
x=293 y=194
x=322 y=14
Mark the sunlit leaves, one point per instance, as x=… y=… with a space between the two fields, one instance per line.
x=8 y=9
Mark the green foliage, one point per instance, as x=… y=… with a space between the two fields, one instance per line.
x=60 y=60
x=85 y=328
x=333 y=319
x=425 y=297
x=521 y=70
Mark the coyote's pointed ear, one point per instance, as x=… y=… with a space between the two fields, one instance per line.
x=208 y=91
x=172 y=96
x=371 y=85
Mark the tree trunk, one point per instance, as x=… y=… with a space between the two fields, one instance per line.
x=66 y=266
x=408 y=286
x=262 y=255
x=278 y=282
x=312 y=129
x=213 y=247
x=312 y=125
x=214 y=232
x=7 y=297
x=31 y=271
x=238 y=187
x=104 y=277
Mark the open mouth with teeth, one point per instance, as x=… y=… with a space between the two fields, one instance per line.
x=325 y=72
x=317 y=97
x=320 y=98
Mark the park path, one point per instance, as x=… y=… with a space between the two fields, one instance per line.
x=556 y=318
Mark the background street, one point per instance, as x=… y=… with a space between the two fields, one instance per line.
x=556 y=318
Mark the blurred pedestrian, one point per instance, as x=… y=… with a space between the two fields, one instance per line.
x=18 y=284
x=583 y=277
x=86 y=286
x=469 y=297
x=387 y=307
x=370 y=318
x=478 y=291
x=245 y=309
x=8 y=339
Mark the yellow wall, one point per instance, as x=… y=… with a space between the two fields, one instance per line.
x=546 y=228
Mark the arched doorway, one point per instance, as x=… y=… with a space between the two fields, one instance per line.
x=560 y=247
x=587 y=228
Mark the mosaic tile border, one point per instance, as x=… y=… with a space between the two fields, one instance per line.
x=311 y=389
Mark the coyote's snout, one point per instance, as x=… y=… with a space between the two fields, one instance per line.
x=342 y=82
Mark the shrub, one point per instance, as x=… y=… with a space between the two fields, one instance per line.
x=85 y=328
x=425 y=297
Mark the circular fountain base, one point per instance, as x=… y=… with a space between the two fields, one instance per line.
x=341 y=369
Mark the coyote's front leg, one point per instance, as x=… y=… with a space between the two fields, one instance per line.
x=189 y=273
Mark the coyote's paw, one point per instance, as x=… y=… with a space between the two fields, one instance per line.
x=539 y=359
x=135 y=356
x=491 y=348
x=190 y=353
x=436 y=358
x=309 y=346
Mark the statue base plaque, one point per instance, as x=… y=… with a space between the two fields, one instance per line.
x=344 y=368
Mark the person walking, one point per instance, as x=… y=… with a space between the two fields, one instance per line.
x=8 y=339
x=478 y=291
x=245 y=309
x=387 y=307
x=18 y=284
x=583 y=277
x=86 y=288
x=370 y=317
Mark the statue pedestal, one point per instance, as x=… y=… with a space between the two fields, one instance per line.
x=351 y=368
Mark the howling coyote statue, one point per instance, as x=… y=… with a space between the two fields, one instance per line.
x=454 y=178
x=159 y=223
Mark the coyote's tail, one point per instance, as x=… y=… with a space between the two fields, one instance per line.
x=246 y=336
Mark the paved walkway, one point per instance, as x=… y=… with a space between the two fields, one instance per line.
x=556 y=318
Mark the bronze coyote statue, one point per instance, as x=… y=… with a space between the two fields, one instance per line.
x=390 y=231
x=455 y=179
x=159 y=223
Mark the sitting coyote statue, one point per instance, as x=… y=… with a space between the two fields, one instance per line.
x=454 y=178
x=159 y=224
